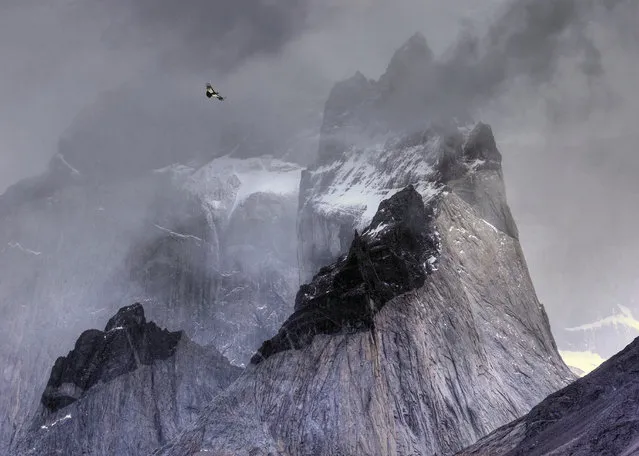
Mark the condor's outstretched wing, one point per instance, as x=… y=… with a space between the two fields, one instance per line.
x=211 y=92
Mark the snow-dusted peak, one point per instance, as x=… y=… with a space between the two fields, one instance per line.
x=342 y=192
x=367 y=173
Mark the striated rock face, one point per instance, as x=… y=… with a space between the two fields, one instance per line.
x=124 y=390
x=595 y=415
x=387 y=355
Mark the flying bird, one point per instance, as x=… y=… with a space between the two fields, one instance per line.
x=212 y=93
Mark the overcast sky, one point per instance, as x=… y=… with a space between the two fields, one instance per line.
x=568 y=139
x=59 y=56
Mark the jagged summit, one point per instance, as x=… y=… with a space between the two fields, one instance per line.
x=596 y=415
x=407 y=98
x=392 y=256
x=417 y=43
x=414 y=58
x=127 y=342
x=127 y=318
x=124 y=391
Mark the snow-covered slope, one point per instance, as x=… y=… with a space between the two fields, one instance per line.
x=342 y=194
x=212 y=182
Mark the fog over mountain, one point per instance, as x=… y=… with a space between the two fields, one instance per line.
x=104 y=93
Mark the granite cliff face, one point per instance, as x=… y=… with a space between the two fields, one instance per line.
x=595 y=415
x=375 y=361
x=124 y=390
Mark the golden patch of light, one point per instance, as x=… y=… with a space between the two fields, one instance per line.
x=584 y=361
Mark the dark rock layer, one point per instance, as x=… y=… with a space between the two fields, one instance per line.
x=124 y=391
x=127 y=342
x=389 y=259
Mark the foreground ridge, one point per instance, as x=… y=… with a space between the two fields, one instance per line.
x=595 y=415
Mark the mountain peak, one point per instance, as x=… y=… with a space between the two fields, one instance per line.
x=416 y=43
x=400 y=98
x=414 y=56
x=127 y=317
x=127 y=342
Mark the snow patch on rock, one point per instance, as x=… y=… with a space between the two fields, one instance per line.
x=364 y=177
x=225 y=183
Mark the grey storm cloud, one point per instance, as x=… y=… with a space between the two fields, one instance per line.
x=530 y=46
x=528 y=41
x=205 y=32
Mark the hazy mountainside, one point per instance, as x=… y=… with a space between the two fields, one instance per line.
x=595 y=416
x=247 y=270
x=416 y=334
x=124 y=390
x=421 y=362
x=189 y=243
